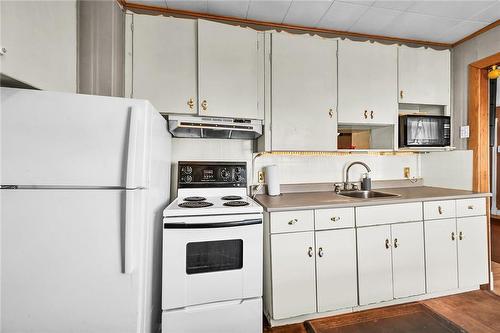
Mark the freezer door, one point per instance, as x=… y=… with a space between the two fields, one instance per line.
x=63 y=255
x=62 y=139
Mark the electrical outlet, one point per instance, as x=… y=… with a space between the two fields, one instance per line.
x=260 y=176
x=406 y=172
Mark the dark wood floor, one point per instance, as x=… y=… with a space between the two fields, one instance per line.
x=475 y=312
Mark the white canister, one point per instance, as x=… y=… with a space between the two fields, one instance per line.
x=273 y=180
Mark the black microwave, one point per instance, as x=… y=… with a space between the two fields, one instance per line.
x=424 y=131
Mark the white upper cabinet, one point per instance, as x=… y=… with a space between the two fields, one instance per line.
x=39 y=41
x=228 y=71
x=165 y=63
x=423 y=76
x=367 y=79
x=304 y=93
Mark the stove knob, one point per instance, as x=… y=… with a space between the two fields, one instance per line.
x=237 y=178
x=189 y=179
x=237 y=170
x=224 y=174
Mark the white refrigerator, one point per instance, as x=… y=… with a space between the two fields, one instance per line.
x=84 y=180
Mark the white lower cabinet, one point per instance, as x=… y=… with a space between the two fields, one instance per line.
x=293 y=274
x=374 y=264
x=441 y=255
x=390 y=262
x=408 y=259
x=337 y=259
x=472 y=251
x=336 y=269
x=456 y=253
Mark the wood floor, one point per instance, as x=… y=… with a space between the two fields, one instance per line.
x=475 y=312
x=495 y=267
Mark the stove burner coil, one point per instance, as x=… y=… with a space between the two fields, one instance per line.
x=236 y=203
x=232 y=197
x=195 y=204
x=195 y=199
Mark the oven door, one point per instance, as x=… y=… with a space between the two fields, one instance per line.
x=211 y=259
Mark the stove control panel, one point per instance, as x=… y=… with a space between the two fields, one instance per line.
x=211 y=174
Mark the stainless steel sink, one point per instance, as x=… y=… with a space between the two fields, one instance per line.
x=367 y=194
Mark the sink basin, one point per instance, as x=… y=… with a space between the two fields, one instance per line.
x=367 y=194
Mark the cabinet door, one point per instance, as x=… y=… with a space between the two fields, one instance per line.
x=228 y=71
x=40 y=39
x=424 y=76
x=336 y=269
x=367 y=83
x=304 y=93
x=408 y=259
x=472 y=251
x=164 y=63
x=293 y=274
x=374 y=264
x=441 y=255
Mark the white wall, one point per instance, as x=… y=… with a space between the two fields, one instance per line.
x=448 y=169
x=472 y=50
x=321 y=169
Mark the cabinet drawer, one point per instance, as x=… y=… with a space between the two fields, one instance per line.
x=439 y=209
x=334 y=218
x=384 y=214
x=299 y=220
x=471 y=207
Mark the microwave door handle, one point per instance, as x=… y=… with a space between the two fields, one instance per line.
x=212 y=225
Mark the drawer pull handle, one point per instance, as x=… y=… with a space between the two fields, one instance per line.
x=440 y=210
x=292 y=222
x=387 y=244
x=460 y=236
x=452 y=236
x=335 y=219
x=395 y=242
x=310 y=252
x=471 y=207
x=320 y=252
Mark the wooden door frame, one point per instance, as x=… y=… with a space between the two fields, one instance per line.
x=478 y=120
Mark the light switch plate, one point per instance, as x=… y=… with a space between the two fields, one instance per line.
x=464 y=132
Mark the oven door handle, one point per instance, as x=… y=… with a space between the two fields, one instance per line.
x=211 y=225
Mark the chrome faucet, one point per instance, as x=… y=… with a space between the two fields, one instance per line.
x=346 y=183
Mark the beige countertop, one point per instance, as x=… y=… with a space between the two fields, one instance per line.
x=314 y=200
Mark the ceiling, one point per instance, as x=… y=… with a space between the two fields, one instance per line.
x=434 y=21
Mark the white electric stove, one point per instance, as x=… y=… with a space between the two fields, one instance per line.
x=212 y=252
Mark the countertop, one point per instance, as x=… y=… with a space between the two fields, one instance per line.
x=314 y=200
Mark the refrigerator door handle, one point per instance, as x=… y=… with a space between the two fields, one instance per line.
x=128 y=233
x=136 y=149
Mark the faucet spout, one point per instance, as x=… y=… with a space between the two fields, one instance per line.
x=354 y=163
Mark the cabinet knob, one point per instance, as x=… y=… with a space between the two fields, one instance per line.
x=335 y=218
x=440 y=210
x=3 y=50
x=401 y=94
x=452 y=236
x=310 y=252
x=371 y=114
x=190 y=103
x=320 y=252
x=330 y=113
x=204 y=105
x=471 y=207
x=460 y=236
x=395 y=242
x=387 y=244
x=366 y=114
x=292 y=222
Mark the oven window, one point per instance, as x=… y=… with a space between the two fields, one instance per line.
x=214 y=256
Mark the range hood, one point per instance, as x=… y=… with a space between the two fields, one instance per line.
x=214 y=128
